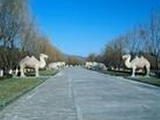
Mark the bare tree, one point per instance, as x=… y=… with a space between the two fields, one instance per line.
x=113 y=51
x=136 y=40
x=154 y=43
x=13 y=16
x=13 y=19
x=91 y=57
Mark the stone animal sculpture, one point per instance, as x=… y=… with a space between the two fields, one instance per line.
x=136 y=63
x=56 y=65
x=95 y=66
x=89 y=65
x=32 y=62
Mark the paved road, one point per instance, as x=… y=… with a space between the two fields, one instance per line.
x=79 y=94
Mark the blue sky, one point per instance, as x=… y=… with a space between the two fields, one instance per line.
x=81 y=27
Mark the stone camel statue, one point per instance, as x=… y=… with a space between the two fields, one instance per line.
x=32 y=62
x=137 y=62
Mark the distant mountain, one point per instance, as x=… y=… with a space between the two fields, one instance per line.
x=80 y=58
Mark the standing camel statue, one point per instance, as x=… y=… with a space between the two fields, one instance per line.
x=136 y=63
x=32 y=62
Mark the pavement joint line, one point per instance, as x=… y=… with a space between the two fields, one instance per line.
x=70 y=88
x=30 y=96
x=78 y=108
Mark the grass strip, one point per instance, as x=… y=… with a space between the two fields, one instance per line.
x=139 y=77
x=149 y=80
x=12 y=88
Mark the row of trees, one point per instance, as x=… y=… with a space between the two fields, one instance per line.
x=141 y=40
x=19 y=36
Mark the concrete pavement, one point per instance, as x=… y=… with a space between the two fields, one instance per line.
x=79 y=94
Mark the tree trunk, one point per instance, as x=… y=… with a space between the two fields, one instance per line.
x=157 y=66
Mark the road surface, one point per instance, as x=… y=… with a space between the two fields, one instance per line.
x=79 y=94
